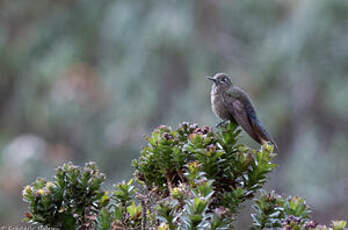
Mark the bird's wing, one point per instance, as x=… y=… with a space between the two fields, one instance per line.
x=239 y=111
x=241 y=115
x=244 y=113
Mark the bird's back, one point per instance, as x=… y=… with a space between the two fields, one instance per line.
x=236 y=93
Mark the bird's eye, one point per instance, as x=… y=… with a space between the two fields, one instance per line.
x=224 y=80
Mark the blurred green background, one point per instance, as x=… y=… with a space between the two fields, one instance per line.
x=85 y=80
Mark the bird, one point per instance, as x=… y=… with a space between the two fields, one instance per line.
x=231 y=103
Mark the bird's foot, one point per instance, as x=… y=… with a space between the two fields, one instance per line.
x=222 y=123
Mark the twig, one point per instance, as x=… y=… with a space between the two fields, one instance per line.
x=181 y=175
x=143 y=218
x=169 y=182
x=143 y=199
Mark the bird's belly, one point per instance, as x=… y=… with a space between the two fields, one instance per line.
x=219 y=108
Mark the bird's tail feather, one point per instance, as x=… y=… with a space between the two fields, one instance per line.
x=264 y=135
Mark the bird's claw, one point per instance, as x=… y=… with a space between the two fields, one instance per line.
x=222 y=123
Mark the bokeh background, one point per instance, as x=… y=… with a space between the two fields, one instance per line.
x=85 y=80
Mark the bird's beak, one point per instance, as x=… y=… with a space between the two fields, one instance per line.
x=210 y=78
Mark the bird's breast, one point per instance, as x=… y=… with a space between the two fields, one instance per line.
x=218 y=106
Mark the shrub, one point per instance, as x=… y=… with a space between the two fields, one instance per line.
x=188 y=178
x=72 y=199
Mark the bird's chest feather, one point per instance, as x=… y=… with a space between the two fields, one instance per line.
x=218 y=106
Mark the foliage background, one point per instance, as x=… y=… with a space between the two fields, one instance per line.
x=86 y=80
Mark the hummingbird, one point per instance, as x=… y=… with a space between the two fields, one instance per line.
x=231 y=103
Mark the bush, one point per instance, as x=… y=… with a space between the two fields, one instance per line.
x=188 y=178
x=72 y=199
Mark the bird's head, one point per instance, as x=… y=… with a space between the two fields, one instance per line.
x=221 y=80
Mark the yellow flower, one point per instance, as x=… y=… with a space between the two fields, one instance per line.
x=193 y=164
x=27 y=189
x=50 y=184
x=41 y=192
x=163 y=226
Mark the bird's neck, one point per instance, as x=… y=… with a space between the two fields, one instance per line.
x=219 y=89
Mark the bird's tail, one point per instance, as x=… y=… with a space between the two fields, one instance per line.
x=264 y=136
x=270 y=140
x=276 y=150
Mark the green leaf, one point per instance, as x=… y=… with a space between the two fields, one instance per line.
x=134 y=211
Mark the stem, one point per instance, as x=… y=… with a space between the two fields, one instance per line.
x=169 y=182
x=143 y=218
